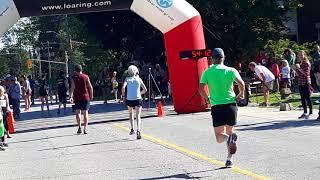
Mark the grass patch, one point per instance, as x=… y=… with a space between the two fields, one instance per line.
x=275 y=99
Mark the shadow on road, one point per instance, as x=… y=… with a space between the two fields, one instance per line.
x=39 y=128
x=94 y=109
x=41 y=139
x=180 y=176
x=88 y=144
x=272 y=125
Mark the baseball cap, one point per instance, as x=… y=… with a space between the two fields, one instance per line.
x=218 y=53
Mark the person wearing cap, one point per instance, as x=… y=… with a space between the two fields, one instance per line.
x=219 y=79
x=266 y=77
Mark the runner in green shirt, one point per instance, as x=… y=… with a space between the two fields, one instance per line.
x=219 y=79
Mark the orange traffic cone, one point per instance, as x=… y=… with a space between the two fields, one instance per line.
x=10 y=123
x=160 y=109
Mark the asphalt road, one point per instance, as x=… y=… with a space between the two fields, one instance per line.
x=272 y=144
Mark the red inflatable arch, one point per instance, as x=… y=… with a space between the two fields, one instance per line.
x=180 y=23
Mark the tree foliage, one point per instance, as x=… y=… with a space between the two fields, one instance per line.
x=241 y=27
x=279 y=46
x=103 y=40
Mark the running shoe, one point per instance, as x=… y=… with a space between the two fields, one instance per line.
x=232 y=143
x=79 y=130
x=303 y=116
x=138 y=135
x=132 y=132
x=229 y=163
x=5 y=145
x=85 y=131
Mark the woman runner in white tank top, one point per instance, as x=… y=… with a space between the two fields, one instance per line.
x=133 y=84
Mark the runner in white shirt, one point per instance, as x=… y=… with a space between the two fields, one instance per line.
x=265 y=76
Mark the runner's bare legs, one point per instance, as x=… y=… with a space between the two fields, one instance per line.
x=138 y=116
x=221 y=135
x=78 y=118
x=86 y=120
x=229 y=131
x=131 y=118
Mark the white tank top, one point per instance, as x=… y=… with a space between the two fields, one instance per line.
x=133 y=88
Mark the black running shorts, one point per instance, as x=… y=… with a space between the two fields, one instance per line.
x=82 y=105
x=134 y=103
x=62 y=97
x=225 y=114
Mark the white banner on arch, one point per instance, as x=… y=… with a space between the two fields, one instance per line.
x=165 y=15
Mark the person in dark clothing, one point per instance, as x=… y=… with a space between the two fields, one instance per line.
x=62 y=82
x=32 y=86
x=81 y=93
x=304 y=82
x=15 y=94
x=43 y=93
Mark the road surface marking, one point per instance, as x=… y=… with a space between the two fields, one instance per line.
x=194 y=154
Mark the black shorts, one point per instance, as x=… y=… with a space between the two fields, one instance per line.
x=62 y=97
x=28 y=92
x=82 y=105
x=225 y=114
x=43 y=93
x=134 y=103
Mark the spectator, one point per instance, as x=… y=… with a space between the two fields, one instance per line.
x=15 y=93
x=315 y=74
x=62 y=82
x=26 y=90
x=285 y=74
x=43 y=93
x=304 y=82
x=2 y=138
x=266 y=77
x=115 y=85
x=315 y=54
x=144 y=73
x=290 y=56
x=5 y=109
x=159 y=77
x=274 y=67
x=32 y=86
x=261 y=59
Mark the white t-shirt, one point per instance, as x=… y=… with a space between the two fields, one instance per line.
x=285 y=72
x=266 y=72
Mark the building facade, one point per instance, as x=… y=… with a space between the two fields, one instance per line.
x=309 y=21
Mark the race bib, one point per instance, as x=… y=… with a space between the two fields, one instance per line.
x=3 y=103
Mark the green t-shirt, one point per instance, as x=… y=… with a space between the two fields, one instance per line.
x=220 y=79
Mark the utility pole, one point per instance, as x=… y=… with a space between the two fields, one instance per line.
x=49 y=59
x=39 y=57
x=67 y=61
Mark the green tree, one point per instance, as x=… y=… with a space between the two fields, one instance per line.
x=4 y=68
x=241 y=27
